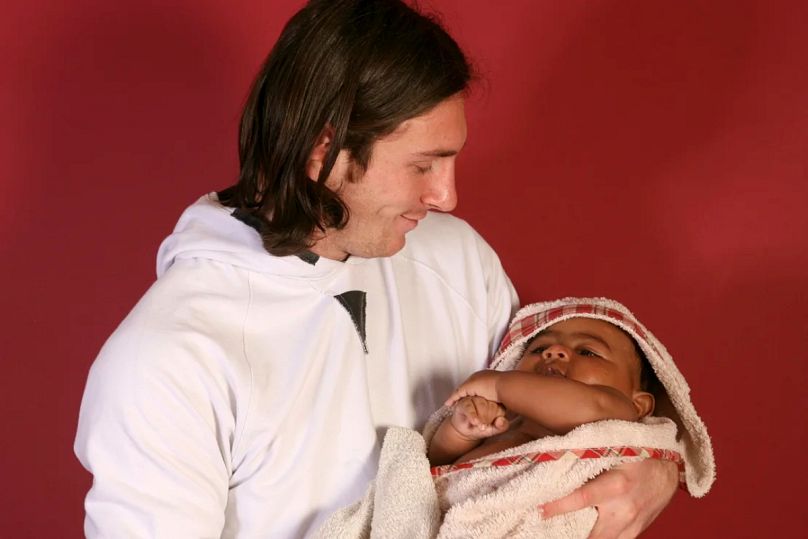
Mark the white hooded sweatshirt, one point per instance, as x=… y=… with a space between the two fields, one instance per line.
x=247 y=394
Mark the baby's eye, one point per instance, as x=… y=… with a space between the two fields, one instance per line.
x=588 y=353
x=538 y=350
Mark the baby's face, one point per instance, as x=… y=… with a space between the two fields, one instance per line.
x=590 y=351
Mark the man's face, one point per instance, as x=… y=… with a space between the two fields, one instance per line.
x=410 y=172
x=587 y=350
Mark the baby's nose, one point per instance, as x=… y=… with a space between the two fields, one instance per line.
x=556 y=352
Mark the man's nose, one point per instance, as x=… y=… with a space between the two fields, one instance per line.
x=440 y=193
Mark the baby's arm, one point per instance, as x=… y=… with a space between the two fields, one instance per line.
x=556 y=403
x=473 y=419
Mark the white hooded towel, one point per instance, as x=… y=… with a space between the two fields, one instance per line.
x=498 y=495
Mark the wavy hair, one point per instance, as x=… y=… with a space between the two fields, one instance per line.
x=360 y=67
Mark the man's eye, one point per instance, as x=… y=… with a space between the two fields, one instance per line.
x=421 y=169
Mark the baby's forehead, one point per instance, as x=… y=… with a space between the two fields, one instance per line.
x=583 y=328
x=583 y=325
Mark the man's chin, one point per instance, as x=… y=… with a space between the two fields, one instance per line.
x=389 y=249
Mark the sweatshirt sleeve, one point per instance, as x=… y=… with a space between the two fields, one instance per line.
x=155 y=430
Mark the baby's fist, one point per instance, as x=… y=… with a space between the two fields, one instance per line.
x=476 y=418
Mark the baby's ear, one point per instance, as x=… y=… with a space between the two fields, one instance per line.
x=644 y=403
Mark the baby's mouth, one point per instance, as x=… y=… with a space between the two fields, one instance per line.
x=550 y=370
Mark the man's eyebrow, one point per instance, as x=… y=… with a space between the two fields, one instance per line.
x=437 y=153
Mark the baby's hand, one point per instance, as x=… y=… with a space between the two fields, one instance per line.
x=480 y=384
x=475 y=418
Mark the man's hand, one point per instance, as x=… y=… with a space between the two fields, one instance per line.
x=628 y=498
x=476 y=418
x=480 y=384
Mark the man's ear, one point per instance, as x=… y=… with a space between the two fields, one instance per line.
x=644 y=403
x=317 y=156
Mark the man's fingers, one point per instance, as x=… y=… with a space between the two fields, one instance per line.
x=600 y=490
x=574 y=501
x=625 y=504
x=613 y=525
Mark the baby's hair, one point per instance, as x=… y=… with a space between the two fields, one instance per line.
x=648 y=378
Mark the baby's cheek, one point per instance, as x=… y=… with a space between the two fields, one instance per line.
x=527 y=364
x=591 y=374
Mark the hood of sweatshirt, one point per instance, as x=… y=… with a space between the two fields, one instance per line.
x=208 y=230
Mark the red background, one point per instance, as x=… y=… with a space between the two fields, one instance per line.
x=654 y=152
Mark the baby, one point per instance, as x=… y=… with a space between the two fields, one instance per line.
x=569 y=395
x=573 y=372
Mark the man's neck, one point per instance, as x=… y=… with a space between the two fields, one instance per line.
x=326 y=249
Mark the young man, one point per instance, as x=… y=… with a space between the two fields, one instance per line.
x=291 y=323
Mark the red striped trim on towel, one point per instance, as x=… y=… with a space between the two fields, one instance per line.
x=547 y=456
x=527 y=325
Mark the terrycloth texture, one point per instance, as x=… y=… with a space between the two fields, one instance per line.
x=489 y=501
x=529 y=320
x=501 y=501
x=401 y=502
x=493 y=501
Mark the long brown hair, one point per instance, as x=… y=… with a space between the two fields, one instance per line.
x=359 y=66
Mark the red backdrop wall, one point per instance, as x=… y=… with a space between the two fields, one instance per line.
x=654 y=152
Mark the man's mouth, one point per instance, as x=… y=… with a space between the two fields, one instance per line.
x=412 y=220
x=414 y=217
